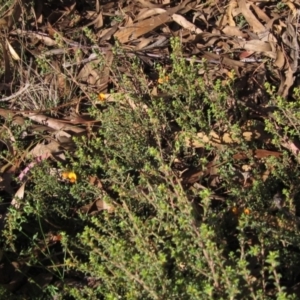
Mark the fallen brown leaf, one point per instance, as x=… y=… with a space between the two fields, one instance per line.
x=140 y=28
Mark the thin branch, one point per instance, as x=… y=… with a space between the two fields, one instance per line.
x=15 y=95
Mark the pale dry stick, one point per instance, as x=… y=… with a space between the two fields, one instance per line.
x=213 y=61
x=23 y=89
x=92 y=57
x=54 y=52
x=15 y=95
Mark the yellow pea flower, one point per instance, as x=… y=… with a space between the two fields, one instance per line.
x=71 y=176
x=102 y=97
x=247 y=211
x=163 y=80
x=237 y=211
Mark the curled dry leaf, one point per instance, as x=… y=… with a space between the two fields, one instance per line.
x=225 y=60
x=146 y=13
x=140 y=28
x=234 y=31
x=53 y=123
x=250 y=17
x=289 y=37
x=256 y=46
x=245 y=54
x=97 y=206
x=89 y=74
x=42 y=37
x=143 y=43
x=260 y=13
x=231 y=6
x=292 y=7
x=42 y=150
x=148 y=4
x=12 y=51
x=159 y=42
x=182 y=21
x=280 y=59
x=286 y=84
x=124 y=99
x=292 y=146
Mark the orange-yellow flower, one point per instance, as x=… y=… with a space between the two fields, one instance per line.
x=247 y=211
x=102 y=97
x=71 y=176
x=163 y=80
x=237 y=211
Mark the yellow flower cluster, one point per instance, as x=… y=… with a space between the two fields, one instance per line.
x=71 y=176
x=237 y=211
x=102 y=97
x=163 y=80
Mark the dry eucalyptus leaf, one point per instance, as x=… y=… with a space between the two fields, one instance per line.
x=140 y=28
x=180 y=20
x=43 y=38
x=260 y=13
x=225 y=60
x=89 y=74
x=250 y=17
x=292 y=7
x=255 y=45
x=148 y=4
x=53 y=123
x=99 y=21
x=146 y=13
x=49 y=149
x=287 y=83
x=12 y=51
x=234 y=31
x=231 y=6
x=143 y=43
x=97 y=206
x=280 y=59
x=103 y=205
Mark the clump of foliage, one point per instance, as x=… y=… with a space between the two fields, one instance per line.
x=168 y=236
